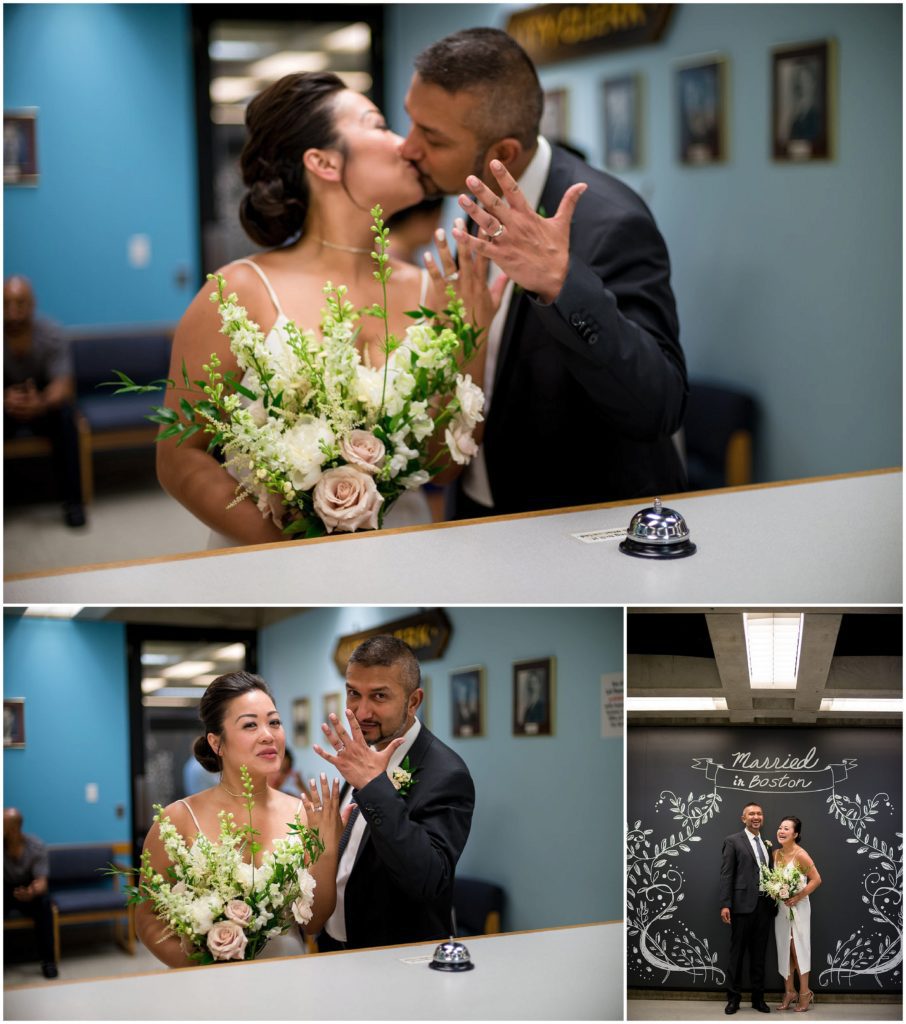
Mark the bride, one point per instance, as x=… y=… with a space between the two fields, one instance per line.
x=794 y=944
x=316 y=160
x=242 y=727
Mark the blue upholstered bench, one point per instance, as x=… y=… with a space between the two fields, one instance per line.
x=82 y=892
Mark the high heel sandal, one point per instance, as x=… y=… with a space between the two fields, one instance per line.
x=788 y=999
x=809 y=998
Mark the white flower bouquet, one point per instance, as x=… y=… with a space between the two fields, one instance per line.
x=781 y=883
x=219 y=904
x=322 y=442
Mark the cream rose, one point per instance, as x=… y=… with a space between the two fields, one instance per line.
x=361 y=448
x=227 y=941
x=471 y=400
x=460 y=442
x=301 y=910
x=347 y=500
x=238 y=911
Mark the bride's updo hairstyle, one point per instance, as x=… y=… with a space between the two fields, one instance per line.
x=797 y=825
x=293 y=115
x=212 y=710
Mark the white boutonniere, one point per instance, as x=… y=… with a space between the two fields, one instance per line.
x=403 y=778
x=767 y=843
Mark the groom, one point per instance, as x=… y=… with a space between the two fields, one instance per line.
x=748 y=912
x=400 y=846
x=585 y=378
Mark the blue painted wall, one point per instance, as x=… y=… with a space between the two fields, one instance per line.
x=546 y=824
x=73 y=678
x=116 y=151
x=788 y=278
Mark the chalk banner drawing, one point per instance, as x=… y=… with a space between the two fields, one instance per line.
x=655 y=881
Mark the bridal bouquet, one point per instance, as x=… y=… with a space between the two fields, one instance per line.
x=222 y=906
x=781 y=883
x=321 y=441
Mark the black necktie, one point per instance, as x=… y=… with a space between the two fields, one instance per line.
x=762 y=859
x=347 y=831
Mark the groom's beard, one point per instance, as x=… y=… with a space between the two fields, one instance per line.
x=434 y=191
x=383 y=738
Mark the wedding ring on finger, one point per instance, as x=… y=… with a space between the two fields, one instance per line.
x=341 y=748
x=452 y=277
x=496 y=234
x=319 y=808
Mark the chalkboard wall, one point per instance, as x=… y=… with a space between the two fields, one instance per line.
x=685 y=792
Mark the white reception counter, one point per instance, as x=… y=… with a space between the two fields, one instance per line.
x=558 y=974
x=828 y=541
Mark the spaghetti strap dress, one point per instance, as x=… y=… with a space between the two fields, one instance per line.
x=798 y=931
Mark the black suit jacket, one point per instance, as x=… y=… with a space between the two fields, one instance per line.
x=739 y=874
x=589 y=389
x=401 y=885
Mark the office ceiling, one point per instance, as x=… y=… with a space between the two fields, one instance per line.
x=845 y=653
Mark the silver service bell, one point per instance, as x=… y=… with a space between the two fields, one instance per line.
x=451 y=956
x=657 y=532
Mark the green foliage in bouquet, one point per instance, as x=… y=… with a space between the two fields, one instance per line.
x=320 y=440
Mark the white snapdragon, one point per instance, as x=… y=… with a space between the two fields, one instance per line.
x=471 y=400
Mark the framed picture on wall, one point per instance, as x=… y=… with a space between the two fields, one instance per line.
x=533 y=697
x=801 y=102
x=14 y=722
x=621 y=100
x=301 y=721
x=555 y=117
x=20 y=147
x=467 y=702
x=333 y=705
x=701 y=111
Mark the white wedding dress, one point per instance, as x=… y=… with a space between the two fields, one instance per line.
x=411 y=507
x=798 y=931
x=289 y=944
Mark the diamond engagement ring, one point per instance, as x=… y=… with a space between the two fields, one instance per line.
x=341 y=748
x=500 y=230
x=452 y=277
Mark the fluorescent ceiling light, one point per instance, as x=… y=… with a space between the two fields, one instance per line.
x=676 y=704
x=889 y=705
x=53 y=611
x=150 y=658
x=354 y=38
x=773 y=643
x=232 y=652
x=234 y=49
x=152 y=683
x=358 y=81
x=187 y=669
x=227 y=89
x=288 y=62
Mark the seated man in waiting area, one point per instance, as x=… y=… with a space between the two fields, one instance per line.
x=38 y=389
x=25 y=884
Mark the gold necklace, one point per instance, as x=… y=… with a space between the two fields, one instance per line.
x=240 y=796
x=343 y=248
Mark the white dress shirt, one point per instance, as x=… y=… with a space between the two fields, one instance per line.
x=475 y=481
x=756 y=841
x=336 y=923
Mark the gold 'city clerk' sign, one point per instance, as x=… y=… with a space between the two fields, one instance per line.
x=555 y=32
x=427 y=633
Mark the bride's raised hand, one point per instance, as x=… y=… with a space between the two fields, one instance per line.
x=322 y=810
x=469 y=278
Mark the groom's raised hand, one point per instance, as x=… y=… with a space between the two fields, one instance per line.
x=352 y=757
x=530 y=249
